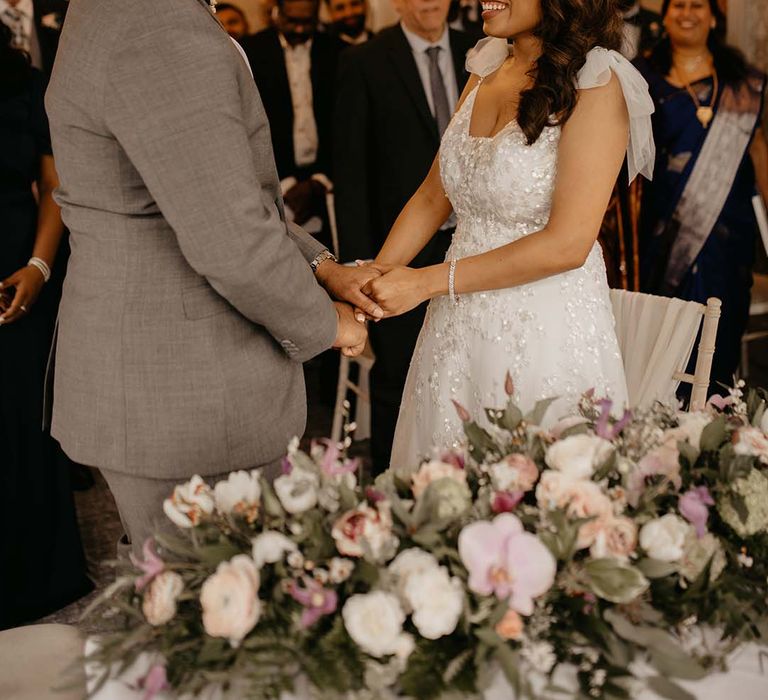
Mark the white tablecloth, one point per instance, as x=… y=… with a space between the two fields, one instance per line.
x=746 y=679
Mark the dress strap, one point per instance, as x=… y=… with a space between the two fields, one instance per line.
x=596 y=72
x=487 y=56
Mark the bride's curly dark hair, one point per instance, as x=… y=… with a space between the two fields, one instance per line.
x=569 y=29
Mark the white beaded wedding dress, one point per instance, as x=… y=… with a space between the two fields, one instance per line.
x=556 y=336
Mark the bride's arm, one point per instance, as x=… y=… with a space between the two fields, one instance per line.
x=590 y=154
x=423 y=215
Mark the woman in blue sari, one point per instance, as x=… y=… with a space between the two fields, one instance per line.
x=698 y=224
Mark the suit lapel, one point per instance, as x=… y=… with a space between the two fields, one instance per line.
x=402 y=57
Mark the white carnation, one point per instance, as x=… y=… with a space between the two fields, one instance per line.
x=437 y=601
x=664 y=538
x=578 y=456
x=270 y=547
x=375 y=622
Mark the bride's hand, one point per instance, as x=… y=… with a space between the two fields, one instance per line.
x=398 y=290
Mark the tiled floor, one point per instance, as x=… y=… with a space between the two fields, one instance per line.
x=100 y=524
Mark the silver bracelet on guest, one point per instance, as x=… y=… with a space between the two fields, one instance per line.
x=452 y=282
x=42 y=266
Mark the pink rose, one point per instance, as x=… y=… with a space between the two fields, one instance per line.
x=363 y=528
x=663 y=460
x=434 y=470
x=517 y=472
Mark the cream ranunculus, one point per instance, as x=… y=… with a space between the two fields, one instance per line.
x=297 y=491
x=616 y=537
x=159 y=604
x=239 y=494
x=437 y=601
x=375 y=622
x=516 y=472
x=189 y=503
x=406 y=564
x=579 y=455
x=270 y=547
x=229 y=598
x=434 y=470
x=366 y=530
x=664 y=538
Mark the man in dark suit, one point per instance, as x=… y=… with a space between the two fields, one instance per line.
x=642 y=28
x=36 y=26
x=347 y=25
x=395 y=96
x=294 y=68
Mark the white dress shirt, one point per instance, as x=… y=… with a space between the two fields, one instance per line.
x=419 y=47
x=29 y=42
x=298 y=64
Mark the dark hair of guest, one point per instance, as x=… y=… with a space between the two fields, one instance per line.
x=229 y=6
x=568 y=31
x=15 y=65
x=730 y=64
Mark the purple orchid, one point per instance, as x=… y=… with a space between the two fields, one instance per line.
x=330 y=463
x=720 y=402
x=603 y=427
x=151 y=565
x=154 y=682
x=694 y=507
x=285 y=466
x=506 y=501
x=374 y=496
x=317 y=601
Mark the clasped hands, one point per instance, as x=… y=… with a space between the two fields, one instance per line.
x=369 y=291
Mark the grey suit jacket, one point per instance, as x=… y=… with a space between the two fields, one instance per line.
x=189 y=304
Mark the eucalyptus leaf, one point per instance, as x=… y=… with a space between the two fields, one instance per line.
x=714 y=435
x=653 y=568
x=615 y=581
x=535 y=416
x=480 y=442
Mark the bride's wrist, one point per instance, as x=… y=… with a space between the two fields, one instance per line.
x=436 y=280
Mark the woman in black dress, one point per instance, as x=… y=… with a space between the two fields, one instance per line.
x=42 y=567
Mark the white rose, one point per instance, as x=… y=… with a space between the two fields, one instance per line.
x=408 y=563
x=270 y=547
x=229 y=598
x=437 y=601
x=297 y=491
x=579 y=455
x=159 y=604
x=340 y=569
x=189 y=503
x=692 y=426
x=240 y=493
x=375 y=622
x=664 y=538
x=434 y=470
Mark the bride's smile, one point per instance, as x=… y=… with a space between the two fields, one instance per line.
x=492 y=9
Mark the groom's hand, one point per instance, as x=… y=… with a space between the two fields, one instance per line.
x=351 y=335
x=346 y=284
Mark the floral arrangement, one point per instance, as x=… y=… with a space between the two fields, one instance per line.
x=554 y=559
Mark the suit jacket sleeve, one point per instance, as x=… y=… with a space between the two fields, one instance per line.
x=173 y=101
x=350 y=160
x=309 y=246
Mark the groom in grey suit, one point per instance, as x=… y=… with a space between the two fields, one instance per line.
x=189 y=303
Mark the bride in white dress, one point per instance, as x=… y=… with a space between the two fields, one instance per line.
x=523 y=288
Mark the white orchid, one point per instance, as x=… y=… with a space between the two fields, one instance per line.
x=239 y=494
x=189 y=503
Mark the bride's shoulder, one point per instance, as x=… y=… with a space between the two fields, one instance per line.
x=601 y=64
x=486 y=56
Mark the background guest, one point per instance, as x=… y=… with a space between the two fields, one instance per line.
x=642 y=28
x=259 y=13
x=347 y=22
x=294 y=68
x=396 y=96
x=233 y=19
x=35 y=25
x=698 y=224
x=43 y=563
x=467 y=16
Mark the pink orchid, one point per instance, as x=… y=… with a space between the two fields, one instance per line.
x=506 y=501
x=603 y=427
x=317 y=601
x=505 y=560
x=719 y=402
x=694 y=507
x=152 y=565
x=154 y=682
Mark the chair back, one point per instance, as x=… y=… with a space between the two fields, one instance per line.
x=656 y=337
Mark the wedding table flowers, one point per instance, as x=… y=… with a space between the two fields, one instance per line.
x=584 y=547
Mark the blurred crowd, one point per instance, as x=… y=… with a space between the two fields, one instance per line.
x=356 y=117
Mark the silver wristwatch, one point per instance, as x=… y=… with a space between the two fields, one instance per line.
x=321 y=258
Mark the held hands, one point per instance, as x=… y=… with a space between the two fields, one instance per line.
x=351 y=335
x=26 y=284
x=398 y=289
x=346 y=284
